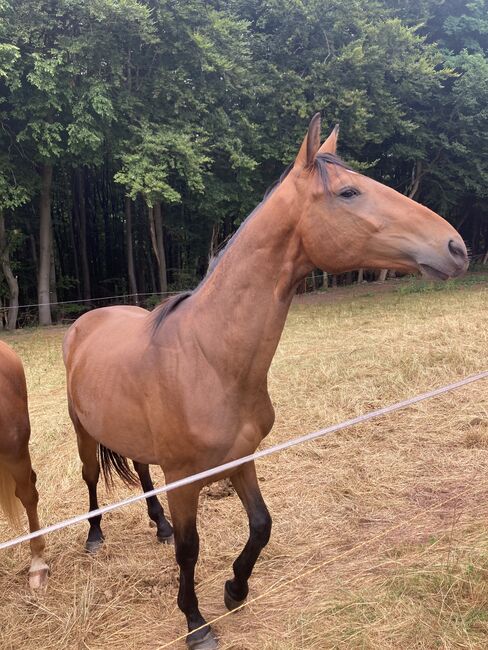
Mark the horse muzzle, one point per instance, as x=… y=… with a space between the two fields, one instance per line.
x=450 y=263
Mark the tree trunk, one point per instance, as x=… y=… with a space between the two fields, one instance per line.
x=152 y=231
x=53 y=291
x=130 y=250
x=360 y=276
x=85 y=265
x=13 y=285
x=383 y=275
x=214 y=241
x=475 y=234
x=161 y=257
x=74 y=248
x=416 y=177
x=45 y=244
x=152 y=277
x=33 y=247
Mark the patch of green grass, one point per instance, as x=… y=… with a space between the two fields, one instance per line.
x=419 y=285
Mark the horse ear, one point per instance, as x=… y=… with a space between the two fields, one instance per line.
x=310 y=144
x=330 y=145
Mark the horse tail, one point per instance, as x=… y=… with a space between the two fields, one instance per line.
x=113 y=463
x=9 y=503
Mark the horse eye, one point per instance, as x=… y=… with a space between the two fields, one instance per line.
x=349 y=192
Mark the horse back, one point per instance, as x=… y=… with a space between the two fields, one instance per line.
x=100 y=326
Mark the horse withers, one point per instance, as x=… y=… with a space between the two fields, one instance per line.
x=17 y=478
x=185 y=386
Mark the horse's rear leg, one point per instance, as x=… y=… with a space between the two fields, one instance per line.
x=183 y=504
x=154 y=507
x=25 y=489
x=246 y=485
x=87 y=449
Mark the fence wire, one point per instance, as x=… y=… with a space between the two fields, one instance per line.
x=225 y=468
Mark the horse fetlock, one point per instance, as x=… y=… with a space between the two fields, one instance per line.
x=234 y=597
x=165 y=530
x=203 y=639
x=38 y=575
x=166 y=539
x=94 y=541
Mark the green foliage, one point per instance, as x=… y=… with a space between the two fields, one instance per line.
x=419 y=285
x=158 y=156
x=200 y=104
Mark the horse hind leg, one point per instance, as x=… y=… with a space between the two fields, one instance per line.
x=25 y=490
x=154 y=507
x=87 y=449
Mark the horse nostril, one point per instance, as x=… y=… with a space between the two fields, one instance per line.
x=456 y=250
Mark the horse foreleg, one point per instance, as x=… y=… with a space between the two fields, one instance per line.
x=183 y=504
x=246 y=485
x=154 y=507
x=87 y=449
x=25 y=489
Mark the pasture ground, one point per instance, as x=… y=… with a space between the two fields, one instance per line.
x=421 y=474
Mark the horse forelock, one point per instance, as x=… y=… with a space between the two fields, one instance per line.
x=321 y=164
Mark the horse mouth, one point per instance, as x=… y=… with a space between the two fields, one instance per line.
x=432 y=273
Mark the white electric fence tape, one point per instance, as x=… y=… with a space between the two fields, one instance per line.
x=245 y=459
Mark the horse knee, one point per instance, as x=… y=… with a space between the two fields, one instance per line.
x=90 y=473
x=260 y=526
x=27 y=494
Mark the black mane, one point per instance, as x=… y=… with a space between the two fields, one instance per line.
x=164 y=309
x=320 y=164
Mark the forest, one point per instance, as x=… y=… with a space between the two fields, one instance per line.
x=136 y=135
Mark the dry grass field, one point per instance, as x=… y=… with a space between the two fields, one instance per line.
x=383 y=528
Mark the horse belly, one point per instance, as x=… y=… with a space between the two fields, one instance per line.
x=104 y=400
x=122 y=430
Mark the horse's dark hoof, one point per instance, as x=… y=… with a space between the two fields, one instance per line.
x=168 y=539
x=208 y=642
x=93 y=545
x=230 y=602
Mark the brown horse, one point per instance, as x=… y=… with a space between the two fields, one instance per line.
x=185 y=387
x=17 y=478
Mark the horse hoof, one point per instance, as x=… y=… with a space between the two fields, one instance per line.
x=209 y=642
x=170 y=539
x=230 y=602
x=93 y=546
x=38 y=579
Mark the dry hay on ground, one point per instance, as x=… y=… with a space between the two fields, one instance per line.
x=422 y=585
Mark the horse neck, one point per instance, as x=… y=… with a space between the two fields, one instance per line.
x=241 y=308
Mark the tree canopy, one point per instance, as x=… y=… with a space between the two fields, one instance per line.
x=137 y=134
